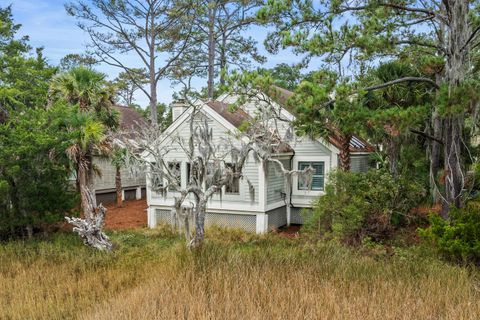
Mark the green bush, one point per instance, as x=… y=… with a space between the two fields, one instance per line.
x=34 y=171
x=359 y=205
x=458 y=239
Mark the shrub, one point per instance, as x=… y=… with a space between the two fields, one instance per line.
x=359 y=205
x=34 y=171
x=458 y=239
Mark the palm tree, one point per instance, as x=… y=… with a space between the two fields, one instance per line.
x=88 y=92
x=84 y=87
x=118 y=159
x=90 y=99
x=88 y=135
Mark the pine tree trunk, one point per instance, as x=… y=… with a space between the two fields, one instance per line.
x=454 y=123
x=223 y=59
x=152 y=72
x=212 y=11
x=345 y=153
x=28 y=227
x=118 y=186
x=435 y=155
x=153 y=94
x=437 y=122
x=452 y=163
x=436 y=150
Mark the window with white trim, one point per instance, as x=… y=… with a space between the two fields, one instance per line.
x=234 y=187
x=318 y=178
x=156 y=176
x=192 y=176
x=176 y=172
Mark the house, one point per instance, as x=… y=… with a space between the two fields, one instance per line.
x=133 y=181
x=237 y=207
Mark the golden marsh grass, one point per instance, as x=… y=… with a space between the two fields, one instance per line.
x=235 y=276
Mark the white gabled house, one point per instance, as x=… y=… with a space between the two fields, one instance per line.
x=238 y=207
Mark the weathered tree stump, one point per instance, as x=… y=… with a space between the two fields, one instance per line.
x=90 y=229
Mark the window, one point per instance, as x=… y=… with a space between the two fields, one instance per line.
x=188 y=172
x=234 y=188
x=212 y=175
x=156 y=176
x=194 y=177
x=318 y=178
x=175 y=170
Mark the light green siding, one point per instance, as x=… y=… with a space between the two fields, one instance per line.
x=131 y=177
x=276 y=181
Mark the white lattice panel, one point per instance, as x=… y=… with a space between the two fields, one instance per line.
x=277 y=218
x=226 y=220
x=236 y=221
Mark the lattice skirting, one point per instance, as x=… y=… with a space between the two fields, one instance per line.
x=164 y=216
x=277 y=218
x=297 y=215
x=227 y=220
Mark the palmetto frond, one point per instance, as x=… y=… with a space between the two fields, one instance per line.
x=103 y=148
x=118 y=156
x=73 y=153
x=92 y=133
x=83 y=87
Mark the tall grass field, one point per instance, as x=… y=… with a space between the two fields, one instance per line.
x=151 y=275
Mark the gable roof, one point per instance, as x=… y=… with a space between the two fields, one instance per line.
x=205 y=109
x=236 y=117
x=232 y=119
x=129 y=118
x=357 y=144
x=281 y=96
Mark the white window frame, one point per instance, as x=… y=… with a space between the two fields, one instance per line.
x=325 y=159
x=312 y=164
x=225 y=192
x=182 y=170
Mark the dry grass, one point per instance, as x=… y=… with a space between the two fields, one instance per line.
x=60 y=279
x=235 y=276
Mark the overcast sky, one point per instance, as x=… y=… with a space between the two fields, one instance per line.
x=48 y=26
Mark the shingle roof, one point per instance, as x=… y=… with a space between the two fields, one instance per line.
x=129 y=118
x=235 y=117
x=357 y=144
x=281 y=96
x=238 y=116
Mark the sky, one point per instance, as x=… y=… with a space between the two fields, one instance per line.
x=48 y=25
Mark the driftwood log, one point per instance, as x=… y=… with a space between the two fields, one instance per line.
x=90 y=229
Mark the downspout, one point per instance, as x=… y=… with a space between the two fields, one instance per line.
x=289 y=204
